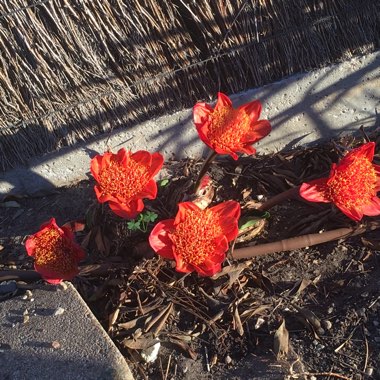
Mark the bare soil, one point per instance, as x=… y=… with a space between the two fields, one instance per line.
x=306 y=314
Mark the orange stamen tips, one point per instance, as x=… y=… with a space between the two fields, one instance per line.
x=125 y=178
x=56 y=255
x=352 y=185
x=227 y=130
x=197 y=239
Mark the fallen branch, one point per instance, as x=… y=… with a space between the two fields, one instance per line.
x=303 y=241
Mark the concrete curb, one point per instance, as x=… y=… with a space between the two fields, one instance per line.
x=302 y=109
x=60 y=338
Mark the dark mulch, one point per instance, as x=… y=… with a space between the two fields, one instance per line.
x=230 y=326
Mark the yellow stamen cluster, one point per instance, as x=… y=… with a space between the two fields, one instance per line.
x=354 y=186
x=53 y=252
x=194 y=236
x=123 y=182
x=228 y=127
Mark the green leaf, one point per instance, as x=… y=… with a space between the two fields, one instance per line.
x=248 y=223
x=164 y=182
x=150 y=216
x=133 y=225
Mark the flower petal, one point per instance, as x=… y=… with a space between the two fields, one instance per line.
x=229 y=214
x=96 y=164
x=372 y=209
x=149 y=191
x=248 y=149
x=159 y=238
x=182 y=208
x=208 y=271
x=223 y=101
x=157 y=162
x=314 y=191
x=352 y=212
x=365 y=150
x=127 y=211
x=122 y=156
x=260 y=129
x=201 y=113
x=142 y=157
x=181 y=265
x=252 y=109
x=55 y=277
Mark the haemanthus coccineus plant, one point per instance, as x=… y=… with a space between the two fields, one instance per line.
x=229 y=130
x=352 y=185
x=197 y=239
x=56 y=255
x=125 y=179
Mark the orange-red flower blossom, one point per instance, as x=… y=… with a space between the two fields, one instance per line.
x=197 y=239
x=56 y=255
x=352 y=185
x=125 y=178
x=227 y=130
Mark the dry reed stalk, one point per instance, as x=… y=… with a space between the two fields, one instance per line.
x=71 y=69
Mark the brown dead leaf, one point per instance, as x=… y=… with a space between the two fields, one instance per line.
x=102 y=242
x=75 y=225
x=237 y=325
x=263 y=282
x=141 y=343
x=251 y=232
x=158 y=322
x=140 y=321
x=249 y=313
x=112 y=318
x=299 y=287
x=246 y=193
x=371 y=243
x=231 y=269
x=184 y=346
x=281 y=342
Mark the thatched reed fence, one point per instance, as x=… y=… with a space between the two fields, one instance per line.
x=72 y=69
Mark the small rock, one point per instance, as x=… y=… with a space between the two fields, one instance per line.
x=320 y=331
x=56 y=345
x=28 y=293
x=59 y=311
x=330 y=310
x=228 y=359
x=151 y=353
x=361 y=312
x=326 y=324
x=369 y=371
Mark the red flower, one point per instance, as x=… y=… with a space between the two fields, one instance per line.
x=352 y=185
x=56 y=255
x=124 y=179
x=227 y=130
x=197 y=239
